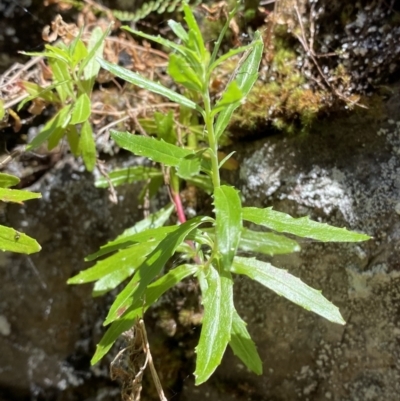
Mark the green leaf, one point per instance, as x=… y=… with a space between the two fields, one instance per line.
x=153 y=292
x=14 y=241
x=7 y=180
x=126 y=239
x=156 y=150
x=61 y=74
x=302 y=227
x=87 y=146
x=73 y=140
x=145 y=83
x=36 y=90
x=195 y=40
x=267 y=243
x=128 y=175
x=81 y=110
x=228 y=223
x=55 y=126
x=2 y=110
x=243 y=346
x=288 y=286
x=246 y=77
x=151 y=268
x=126 y=260
x=165 y=126
x=79 y=52
x=17 y=195
x=158 y=39
x=189 y=165
x=178 y=30
x=231 y=96
x=90 y=66
x=181 y=72
x=217 y=295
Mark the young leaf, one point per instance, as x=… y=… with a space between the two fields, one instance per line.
x=128 y=175
x=7 y=180
x=90 y=66
x=79 y=52
x=302 y=227
x=189 y=165
x=228 y=218
x=231 y=96
x=288 y=286
x=164 y=126
x=217 y=294
x=87 y=146
x=178 y=30
x=158 y=151
x=181 y=72
x=243 y=346
x=55 y=126
x=17 y=195
x=81 y=109
x=14 y=241
x=61 y=74
x=153 y=292
x=267 y=243
x=195 y=40
x=246 y=77
x=152 y=267
x=145 y=83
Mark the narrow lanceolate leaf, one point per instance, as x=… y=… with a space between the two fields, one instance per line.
x=7 y=180
x=288 y=286
x=153 y=292
x=267 y=243
x=181 y=72
x=158 y=151
x=90 y=65
x=302 y=227
x=243 y=346
x=125 y=240
x=62 y=76
x=145 y=83
x=128 y=175
x=151 y=268
x=87 y=146
x=80 y=109
x=125 y=259
x=216 y=289
x=54 y=126
x=228 y=223
x=16 y=195
x=246 y=77
x=178 y=30
x=14 y=241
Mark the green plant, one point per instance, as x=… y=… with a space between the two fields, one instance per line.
x=74 y=69
x=11 y=239
x=211 y=243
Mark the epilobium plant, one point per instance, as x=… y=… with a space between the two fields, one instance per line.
x=212 y=243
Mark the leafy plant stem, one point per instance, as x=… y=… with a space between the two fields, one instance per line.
x=209 y=120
